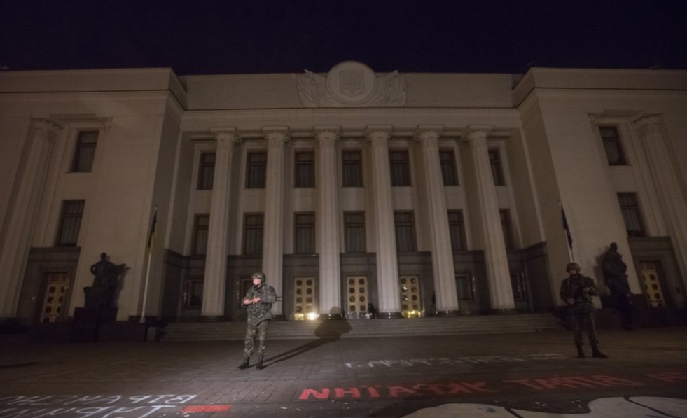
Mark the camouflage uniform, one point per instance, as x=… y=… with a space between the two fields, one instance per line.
x=581 y=312
x=259 y=316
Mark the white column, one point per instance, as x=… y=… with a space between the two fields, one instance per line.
x=442 y=253
x=218 y=229
x=330 y=266
x=22 y=213
x=667 y=184
x=500 y=290
x=273 y=249
x=387 y=262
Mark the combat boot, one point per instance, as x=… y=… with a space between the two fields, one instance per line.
x=580 y=352
x=260 y=366
x=598 y=354
x=245 y=364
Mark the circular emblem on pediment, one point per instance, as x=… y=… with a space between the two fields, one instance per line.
x=351 y=82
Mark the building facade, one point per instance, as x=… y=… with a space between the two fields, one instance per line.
x=421 y=194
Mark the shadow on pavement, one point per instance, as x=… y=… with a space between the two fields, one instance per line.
x=327 y=332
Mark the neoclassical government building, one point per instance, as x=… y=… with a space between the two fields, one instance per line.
x=421 y=194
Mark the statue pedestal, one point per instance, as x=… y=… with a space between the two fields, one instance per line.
x=87 y=321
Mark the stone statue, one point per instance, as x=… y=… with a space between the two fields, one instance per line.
x=615 y=276
x=102 y=293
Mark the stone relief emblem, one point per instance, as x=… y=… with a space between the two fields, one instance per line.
x=351 y=84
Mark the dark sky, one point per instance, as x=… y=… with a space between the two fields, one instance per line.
x=287 y=36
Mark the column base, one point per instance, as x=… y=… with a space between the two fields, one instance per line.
x=508 y=311
x=330 y=316
x=389 y=315
x=447 y=313
x=213 y=318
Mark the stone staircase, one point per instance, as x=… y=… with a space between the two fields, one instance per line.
x=289 y=330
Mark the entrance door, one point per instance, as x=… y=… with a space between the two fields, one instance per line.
x=304 y=298
x=357 y=297
x=55 y=295
x=520 y=293
x=651 y=285
x=411 y=303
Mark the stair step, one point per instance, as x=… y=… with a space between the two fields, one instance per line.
x=279 y=330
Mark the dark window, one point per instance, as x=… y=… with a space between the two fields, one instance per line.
x=305 y=169
x=506 y=228
x=252 y=234
x=629 y=206
x=400 y=167
x=256 y=170
x=200 y=234
x=448 y=167
x=70 y=223
x=355 y=232
x=352 y=168
x=84 y=151
x=305 y=233
x=496 y=169
x=612 y=145
x=193 y=293
x=405 y=232
x=464 y=287
x=206 y=171
x=456 y=227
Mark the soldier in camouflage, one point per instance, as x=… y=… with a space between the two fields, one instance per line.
x=577 y=292
x=258 y=302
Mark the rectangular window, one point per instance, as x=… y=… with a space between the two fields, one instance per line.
x=448 y=167
x=399 y=162
x=256 y=170
x=517 y=282
x=612 y=145
x=464 y=287
x=405 y=232
x=629 y=206
x=305 y=233
x=354 y=225
x=206 y=171
x=201 y=224
x=496 y=169
x=252 y=234
x=84 y=152
x=304 y=170
x=70 y=223
x=352 y=168
x=456 y=226
x=506 y=228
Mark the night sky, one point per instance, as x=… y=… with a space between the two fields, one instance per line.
x=275 y=36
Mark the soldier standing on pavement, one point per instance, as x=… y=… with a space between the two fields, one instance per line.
x=577 y=291
x=258 y=302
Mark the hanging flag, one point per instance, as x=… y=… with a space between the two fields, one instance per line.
x=566 y=228
x=151 y=236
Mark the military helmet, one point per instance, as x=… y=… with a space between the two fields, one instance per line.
x=573 y=266
x=259 y=275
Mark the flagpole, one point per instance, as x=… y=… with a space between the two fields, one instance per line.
x=568 y=237
x=151 y=239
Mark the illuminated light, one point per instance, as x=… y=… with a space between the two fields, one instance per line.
x=299 y=317
x=312 y=316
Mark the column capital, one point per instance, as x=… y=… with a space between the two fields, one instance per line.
x=428 y=135
x=647 y=124
x=46 y=128
x=378 y=134
x=276 y=135
x=327 y=135
x=225 y=135
x=477 y=134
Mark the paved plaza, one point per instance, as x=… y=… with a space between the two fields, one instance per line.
x=509 y=375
